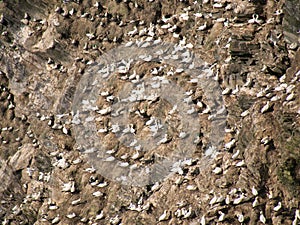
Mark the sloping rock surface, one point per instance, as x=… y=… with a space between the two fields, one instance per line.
x=252 y=48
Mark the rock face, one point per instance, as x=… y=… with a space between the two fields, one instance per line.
x=251 y=47
x=291 y=21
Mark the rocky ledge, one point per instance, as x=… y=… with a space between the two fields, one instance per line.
x=252 y=48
